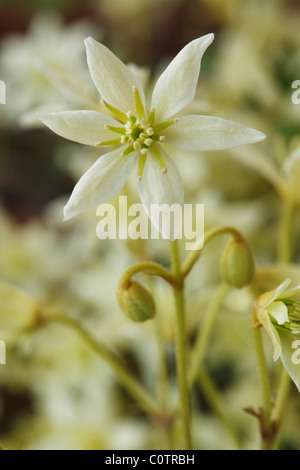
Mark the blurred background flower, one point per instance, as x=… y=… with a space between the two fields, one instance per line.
x=54 y=392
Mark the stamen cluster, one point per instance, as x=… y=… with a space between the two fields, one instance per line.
x=138 y=131
x=294 y=317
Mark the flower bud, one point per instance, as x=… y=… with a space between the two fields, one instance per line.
x=136 y=301
x=237 y=263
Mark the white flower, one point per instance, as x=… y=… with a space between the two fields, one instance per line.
x=279 y=312
x=137 y=132
x=284 y=178
x=44 y=57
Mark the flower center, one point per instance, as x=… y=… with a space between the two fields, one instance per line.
x=138 y=131
x=294 y=318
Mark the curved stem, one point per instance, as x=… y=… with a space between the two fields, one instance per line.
x=192 y=258
x=284 y=256
x=136 y=390
x=148 y=267
x=181 y=361
x=205 y=332
x=283 y=390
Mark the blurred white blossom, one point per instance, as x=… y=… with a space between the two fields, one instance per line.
x=279 y=312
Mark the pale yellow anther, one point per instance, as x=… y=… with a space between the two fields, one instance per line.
x=136 y=145
x=148 y=142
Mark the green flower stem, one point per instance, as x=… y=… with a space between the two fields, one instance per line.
x=148 y=267
x=181 y=361
x=285 y=228
x=205 y=331
x=136 y=390
x=283 y=390
x=163 y=373
x=199 y=374
x=284 y=256
x=262 y=371
x=192 y=258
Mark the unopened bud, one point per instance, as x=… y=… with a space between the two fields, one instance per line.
x=136 y=301
x=237 y=263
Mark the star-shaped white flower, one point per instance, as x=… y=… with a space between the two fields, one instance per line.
x=137 y=132
x=279 y=312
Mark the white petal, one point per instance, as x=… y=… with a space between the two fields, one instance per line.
x=281 y=289
x=290 y=357
x=279 y=311
x=265 y=299
x=293 y=294
x=176 y=87
x=85 y=127
x=274 y=335
x=113 y=79
x=162 y=193
x=103 y=180
x=258 y=161
x=210 y=133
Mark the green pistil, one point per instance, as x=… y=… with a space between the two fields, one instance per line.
x=151 y=117
x=165 y=124
x=142 y=161
x=157 y=155
x=109 y=142
x=119 y=114
x=127 y=151
x=131 y=118
x=138 y=102
x=136 y=132
x=118 y=130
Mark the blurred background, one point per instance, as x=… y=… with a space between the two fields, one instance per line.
x=54 y=392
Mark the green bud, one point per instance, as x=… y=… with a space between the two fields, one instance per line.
x=136 y=301
x=237 y=263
